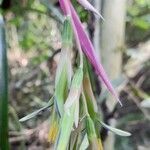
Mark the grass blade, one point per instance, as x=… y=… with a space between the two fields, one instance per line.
x=75 y=88
x=94 y=142
x=37 y=112
x=115 y=130
x=65 y=129
x=4 y=145
x=71 y=113
x=64 y=70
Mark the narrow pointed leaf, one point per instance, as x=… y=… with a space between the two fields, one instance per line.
x=37 y=112
x=92 y=136
x=71 y=113
x=3 y=89
x=87 y=46
x=65 y=129
x=90 y=99
x=67 y=35
x=75 y=88
x=74 y=94
x=65 y=58
x=90 y=128
x=64 y=70
x=91 y=54
x=60 y=91
x=115 y=130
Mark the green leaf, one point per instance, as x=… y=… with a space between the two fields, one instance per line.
x=64 y=70
x=115 y=130
x=37 y=112
x=4 y=145
x=67 y=35
x=90 y=99
x=75 y=89
x=94 y=142
x=65 y=129
x=90 y=129
x=71 y=111
x=141 y=23
x=60 y=90
x=77 y=79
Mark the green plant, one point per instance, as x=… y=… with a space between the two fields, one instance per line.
x=4 y=145
x=74 y=111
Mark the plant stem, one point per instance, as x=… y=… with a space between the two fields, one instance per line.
x=4 y=145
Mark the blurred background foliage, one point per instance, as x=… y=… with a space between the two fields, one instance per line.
x=138 y=21
x=34 y=42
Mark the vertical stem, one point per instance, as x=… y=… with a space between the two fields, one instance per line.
x=97 y=31
x=112 y=39
x=4 y=145
x=112 y=43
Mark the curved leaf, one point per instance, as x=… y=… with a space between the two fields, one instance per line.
x=37 y=112
x=115 y=130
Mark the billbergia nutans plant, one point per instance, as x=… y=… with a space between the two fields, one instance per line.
x=75 y=122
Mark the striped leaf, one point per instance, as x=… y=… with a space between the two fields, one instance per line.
x=64 y=70
x=66 y=127
x=71 y=113
x=75 y=89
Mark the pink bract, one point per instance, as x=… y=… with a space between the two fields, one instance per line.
x=86 y=44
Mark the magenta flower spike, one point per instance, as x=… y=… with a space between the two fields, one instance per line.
x=86 y=44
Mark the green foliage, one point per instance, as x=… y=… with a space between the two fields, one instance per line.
x=71 y=116
x=90 y=129
x=63 y=74
x=33 y=29
x=66 y=127
x=81 y=11
x=134 y=118
x=138 y=22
